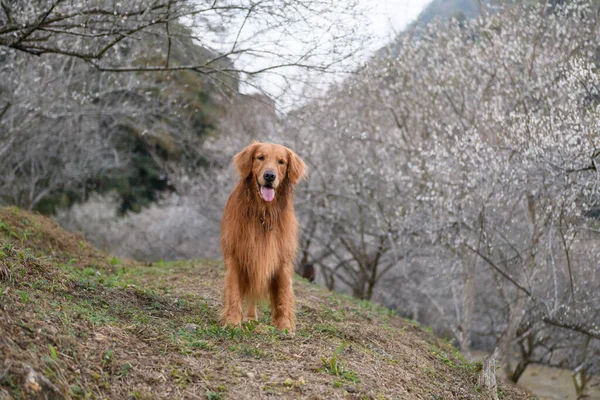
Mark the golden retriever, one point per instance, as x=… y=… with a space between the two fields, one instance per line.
x=259 y=235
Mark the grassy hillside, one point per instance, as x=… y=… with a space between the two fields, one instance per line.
x=76 y=323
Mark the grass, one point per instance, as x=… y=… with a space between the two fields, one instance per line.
x=442 y=356
x=94 y=326
x=334 y=365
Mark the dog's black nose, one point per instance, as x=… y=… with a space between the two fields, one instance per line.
x=269 y=176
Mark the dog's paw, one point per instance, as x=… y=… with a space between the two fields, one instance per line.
x=248 y=318
x=289 y=334
x=232 y=320
x=231 y=325
x=284 y=324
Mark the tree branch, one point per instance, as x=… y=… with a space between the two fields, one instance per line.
x=572 y=327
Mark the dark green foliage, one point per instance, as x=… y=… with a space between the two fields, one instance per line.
x=159 y=122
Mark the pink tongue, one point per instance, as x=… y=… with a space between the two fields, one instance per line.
x=268 y=194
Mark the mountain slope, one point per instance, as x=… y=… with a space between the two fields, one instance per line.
x=75 y=323
x=449 y=8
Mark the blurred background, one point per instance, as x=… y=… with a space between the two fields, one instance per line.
x=453 y=148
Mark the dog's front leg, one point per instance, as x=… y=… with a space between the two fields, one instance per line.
x=282 y=300
x=232 y=310
x=251 y=313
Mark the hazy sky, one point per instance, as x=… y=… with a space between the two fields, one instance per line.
x=389 y=16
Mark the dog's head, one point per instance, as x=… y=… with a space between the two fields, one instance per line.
x=270 y=165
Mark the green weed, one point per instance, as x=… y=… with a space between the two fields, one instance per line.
x=336 y=315
x=53 y=352
x=115 y=261
x=23 y=296
x=214 y=395
x=125 y=369
x=328 y=329
x=251 y=352
x=336 y=366
x=108 y=357
x=441 y=355
x=181 y=377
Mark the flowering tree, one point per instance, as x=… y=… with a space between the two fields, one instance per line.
x=470 y=157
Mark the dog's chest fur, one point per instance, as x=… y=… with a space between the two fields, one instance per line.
x=261 y=235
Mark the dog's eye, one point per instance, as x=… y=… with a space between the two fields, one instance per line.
x=261 y=158
x=281 y=162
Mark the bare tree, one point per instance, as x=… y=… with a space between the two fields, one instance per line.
x=80 y=76
x=242 y=38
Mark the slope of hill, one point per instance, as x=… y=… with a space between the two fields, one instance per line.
x=443 y=9
x=76 y=323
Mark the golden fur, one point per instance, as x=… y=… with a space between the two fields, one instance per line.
x=259 y=238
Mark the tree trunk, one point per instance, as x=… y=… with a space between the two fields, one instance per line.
x=487 y=378
x=519 y=370
x=358 y=290
x=527 y=350
x=580 y=381
x=468 y=306
x=329 y=279
x=580 y=376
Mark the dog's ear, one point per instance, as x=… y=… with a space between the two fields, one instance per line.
x=242 y=161
x=296 y=167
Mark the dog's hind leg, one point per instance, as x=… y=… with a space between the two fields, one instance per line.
x=232 y=310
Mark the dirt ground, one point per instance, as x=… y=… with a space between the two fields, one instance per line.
x=76 y=323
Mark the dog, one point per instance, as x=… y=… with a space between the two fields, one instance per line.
x=259 y=235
